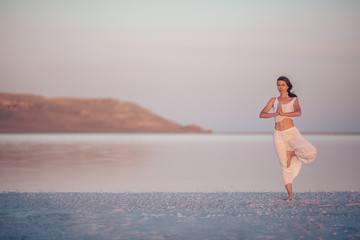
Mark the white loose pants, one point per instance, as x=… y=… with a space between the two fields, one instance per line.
x=292 y=140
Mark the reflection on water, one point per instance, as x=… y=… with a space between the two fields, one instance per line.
x=180 y=162
x=68 y=162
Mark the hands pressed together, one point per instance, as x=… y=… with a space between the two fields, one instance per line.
x=279 y=111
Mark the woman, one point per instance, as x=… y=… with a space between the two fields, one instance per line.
x=291 y=147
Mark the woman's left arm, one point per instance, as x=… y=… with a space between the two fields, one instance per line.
x=295 y=113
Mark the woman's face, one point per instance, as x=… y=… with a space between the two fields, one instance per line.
x=282 y=86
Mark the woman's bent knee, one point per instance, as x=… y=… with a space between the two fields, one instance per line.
x=311 y=155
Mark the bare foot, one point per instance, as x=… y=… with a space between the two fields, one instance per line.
x=290 y=155
x=289 y=198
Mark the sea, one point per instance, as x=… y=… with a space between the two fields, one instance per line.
x=174 y=186
x=121 y=163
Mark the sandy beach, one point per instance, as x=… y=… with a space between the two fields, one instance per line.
x=219 y=215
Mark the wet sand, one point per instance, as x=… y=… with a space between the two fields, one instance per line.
x=220 y=215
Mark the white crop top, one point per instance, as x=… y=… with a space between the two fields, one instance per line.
x=286 y=108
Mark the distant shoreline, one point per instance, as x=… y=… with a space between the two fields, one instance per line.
x=26 y=113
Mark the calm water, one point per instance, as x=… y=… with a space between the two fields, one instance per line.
x=170 y=163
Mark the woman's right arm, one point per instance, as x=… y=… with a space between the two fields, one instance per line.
x=265 y=112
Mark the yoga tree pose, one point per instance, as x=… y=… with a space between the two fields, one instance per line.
x=291 y=147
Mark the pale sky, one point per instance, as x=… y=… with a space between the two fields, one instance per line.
x=213 y=63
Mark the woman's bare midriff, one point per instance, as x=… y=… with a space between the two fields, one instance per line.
x=285 y=124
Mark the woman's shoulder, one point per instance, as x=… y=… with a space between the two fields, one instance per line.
x=294 y=99
x=272 y=101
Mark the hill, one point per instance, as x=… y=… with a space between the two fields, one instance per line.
x=37 y=114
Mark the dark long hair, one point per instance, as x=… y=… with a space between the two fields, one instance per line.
x=288 y=83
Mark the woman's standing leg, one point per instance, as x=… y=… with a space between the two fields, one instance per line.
x=289 y=190
x=289 y=173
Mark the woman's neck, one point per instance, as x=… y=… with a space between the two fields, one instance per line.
x=284 y=95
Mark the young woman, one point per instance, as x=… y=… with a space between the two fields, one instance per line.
x=291 y=147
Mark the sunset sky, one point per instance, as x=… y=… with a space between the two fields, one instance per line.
x=213 y=63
